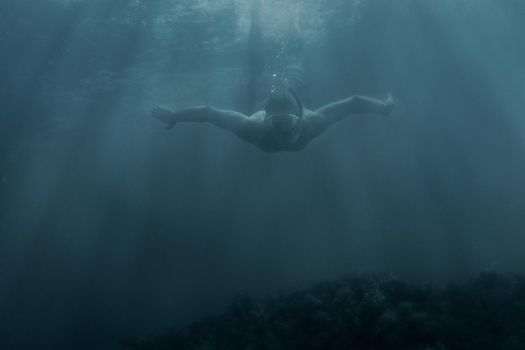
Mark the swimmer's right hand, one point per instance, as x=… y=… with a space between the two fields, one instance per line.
x=164 y=115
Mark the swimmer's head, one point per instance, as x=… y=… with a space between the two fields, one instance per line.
x=284 y=123
x=280 y=102
x=284 y=111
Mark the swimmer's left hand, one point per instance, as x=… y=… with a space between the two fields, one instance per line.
x=164 y=115
x=389 y=104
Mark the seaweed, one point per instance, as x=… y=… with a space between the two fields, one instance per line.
x=364 y=312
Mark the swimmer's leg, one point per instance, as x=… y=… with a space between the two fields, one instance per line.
x=255 y=56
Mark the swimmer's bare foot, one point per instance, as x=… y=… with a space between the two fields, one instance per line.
x=389 y=105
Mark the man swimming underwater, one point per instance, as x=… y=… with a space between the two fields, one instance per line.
x=284 y=125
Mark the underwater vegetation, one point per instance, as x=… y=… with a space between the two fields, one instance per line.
x=370 y=312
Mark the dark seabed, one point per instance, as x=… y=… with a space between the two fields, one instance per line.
x=114 y=231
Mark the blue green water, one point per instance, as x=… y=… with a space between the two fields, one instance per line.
x=111 y=226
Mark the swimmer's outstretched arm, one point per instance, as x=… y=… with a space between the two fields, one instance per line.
x=330 y=114
x=235 y=122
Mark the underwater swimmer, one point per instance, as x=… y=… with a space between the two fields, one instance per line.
x=284 y=125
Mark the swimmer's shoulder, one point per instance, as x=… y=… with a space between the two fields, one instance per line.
x=308 y=112
x=258 y=116
x=310 y=115
x=311 y=122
